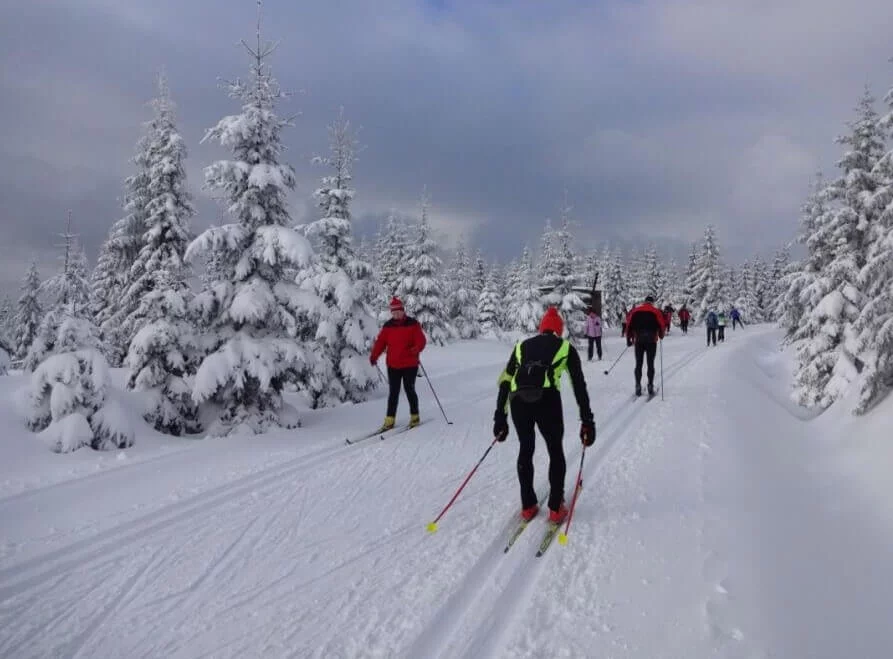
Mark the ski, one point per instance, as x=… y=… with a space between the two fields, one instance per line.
x=548 y=537
x=652 y=396
x=516 y=533
x=402 y=430
x=382 y=434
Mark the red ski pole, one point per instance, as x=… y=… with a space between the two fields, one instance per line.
x=432 y=527
x=562 y=537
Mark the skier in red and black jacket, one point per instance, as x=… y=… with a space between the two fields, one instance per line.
x=403 y=339
x=644 y=328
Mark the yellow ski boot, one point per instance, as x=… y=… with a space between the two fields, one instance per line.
x=414 y=420
x=389 y=422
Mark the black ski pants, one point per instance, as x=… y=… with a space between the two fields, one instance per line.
x=722 y=332
x=406 y=377
x=545 y=414
x=736 y=322
x=645 y=349
x=597 y=342
x=711 y=335
x=683 y=324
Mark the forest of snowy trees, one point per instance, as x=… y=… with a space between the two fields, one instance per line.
x=213 y=329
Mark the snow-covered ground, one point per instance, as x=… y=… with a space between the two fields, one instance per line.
x=719 y=522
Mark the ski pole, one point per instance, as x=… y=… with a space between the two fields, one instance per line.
x=380 y=374
x=449 y=423
x=617 y=360
x=432 y=527
x=562 y=537
x=661 y=369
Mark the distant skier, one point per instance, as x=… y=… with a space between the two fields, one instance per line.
x=712 y=323
x=721 y=325
x=594 y=332
x=530 y=385
x=623 y=315
x=644 y=328
x=668 y=317
x=403 y=339
x=684 y=318
x=735 y=315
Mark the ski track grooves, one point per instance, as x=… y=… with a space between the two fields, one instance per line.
x=473 y=626
x=34 y=571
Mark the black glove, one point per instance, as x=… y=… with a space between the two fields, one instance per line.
x=587 y=433
x=500 y=426
x=629 y=341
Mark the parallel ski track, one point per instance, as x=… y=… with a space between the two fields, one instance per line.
x=471 y=624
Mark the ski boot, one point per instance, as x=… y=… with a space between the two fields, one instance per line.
x=650 y=389
x=530 y=512
x=389 y=422
x=638 y=388
x=558 y=516
x=414 y=420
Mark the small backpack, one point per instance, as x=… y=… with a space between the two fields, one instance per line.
x=530 y=379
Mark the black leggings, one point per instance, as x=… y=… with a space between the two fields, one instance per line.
x=597 y=340
x=711 y=335
x=644 y=349
x=407 y=377
x=546 y=414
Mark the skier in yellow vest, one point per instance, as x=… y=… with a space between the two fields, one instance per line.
x=530 y=386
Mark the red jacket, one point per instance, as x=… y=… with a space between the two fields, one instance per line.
x=403 y=340
x=644 y=321
x=684 y=314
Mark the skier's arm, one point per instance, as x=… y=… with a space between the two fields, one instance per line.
x=575 y=370
x=419 y=340
x=505 y=384
x=379 y=345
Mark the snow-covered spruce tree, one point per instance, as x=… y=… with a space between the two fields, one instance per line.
x=462 y=305
x=253 y=313
x=342 y=281
x=547 y=254
x=780 y=268
x=509 y=283
x=488 y=305
x=615 y=302
x=561 y=277
x=874 y=326
x=655 y=279
x=67 y=398
x=757 y=291
x=792 y=307
x=829 y=363
x=163 y=352
x=422 y=287
x=112 y=276
x=689 y=279
x=29 y=312
x=527 y=305
x=392 y=254
x=707 y=285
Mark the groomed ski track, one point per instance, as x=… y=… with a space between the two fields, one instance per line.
x=476 y=620
x=229 y=570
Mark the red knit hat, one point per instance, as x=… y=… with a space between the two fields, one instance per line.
x=552 y=322
x=396 y=304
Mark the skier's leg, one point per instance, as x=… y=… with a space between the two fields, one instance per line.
x=523 y=419
x=395 y=376
x=640 y=354
x=409 y=378
x=550 y=421
x=651 y=351
x=591 y=342
x=598 y=346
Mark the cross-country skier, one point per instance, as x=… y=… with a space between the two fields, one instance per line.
x=530 y=385
x=712 y=323
x=668 y=317
x=403 y=339
x=684 y=318
x=644 y=328
x=594 y=332
x=735 y=315
x=721 y=325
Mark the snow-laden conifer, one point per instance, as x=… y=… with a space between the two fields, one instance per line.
x=345 y=326
x=527 y=306
x=462 y=303
x=29 y=312
x=163 y=353
x=488 y=305
x=422 y=286
x=253 y=313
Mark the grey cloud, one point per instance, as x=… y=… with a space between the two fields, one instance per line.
x=657 y=117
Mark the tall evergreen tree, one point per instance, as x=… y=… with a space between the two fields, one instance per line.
x=163 y=351
x=526 y=306
x=874 y=326
x=462 y=304
x=707 y=286
x=423 y=286
x=253 y=315
x=343 y=281
x=29 y=312
x=616 y=302
x=488 y=305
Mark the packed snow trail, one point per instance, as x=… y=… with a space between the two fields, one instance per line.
x=704 y=529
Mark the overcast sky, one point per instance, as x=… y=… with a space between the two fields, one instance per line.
x=657 y=116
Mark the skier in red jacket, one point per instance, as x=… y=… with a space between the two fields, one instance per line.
x=644 y=328
x=403 y=339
